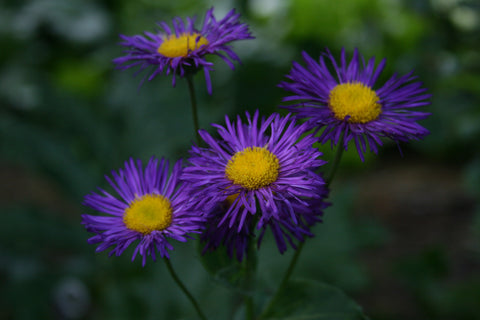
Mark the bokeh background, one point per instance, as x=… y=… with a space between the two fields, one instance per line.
x=402 y=237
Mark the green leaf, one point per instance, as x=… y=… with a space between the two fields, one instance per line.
x=309 y=299
x=224 y=270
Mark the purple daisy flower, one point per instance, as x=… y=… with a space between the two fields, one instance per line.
x=266 y=173
x=182 y=49
x=348 y=107
x=152 y=207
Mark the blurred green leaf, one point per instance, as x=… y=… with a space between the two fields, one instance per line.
x=225 y=270
x=308 y=299
x=79 y=77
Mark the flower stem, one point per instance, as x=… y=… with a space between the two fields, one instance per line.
x=336 y=160
x=284 y=281
x=193 y=100
x=184 y=289
x=293 y=262
x=250 y=268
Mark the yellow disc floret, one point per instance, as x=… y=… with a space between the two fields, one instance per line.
x=356 y=100
x=148 y=213
x=173 y=46
x=253 y=168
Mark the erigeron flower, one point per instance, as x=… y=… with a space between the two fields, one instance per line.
x=259 y=175
x=151 y=207
x=347 y=105
x=182 y=48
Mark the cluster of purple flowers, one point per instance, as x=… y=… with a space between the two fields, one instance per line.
x=256 y=174
x=259 y=175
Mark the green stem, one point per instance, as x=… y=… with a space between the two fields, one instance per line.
x=184 y=289
x=284 y=281
x=293 y=262
x=193 y=101
x=336 y=161
x=250 y=268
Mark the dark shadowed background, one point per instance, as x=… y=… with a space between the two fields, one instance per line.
x=402 y=237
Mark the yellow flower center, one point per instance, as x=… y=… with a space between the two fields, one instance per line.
x=148 y=213
x=355 y=100
x=173 y=46
x=252 y=168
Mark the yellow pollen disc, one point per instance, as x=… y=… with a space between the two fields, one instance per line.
x=252 y=168
x=355 y=100
x=148 y=213
x=173 y=46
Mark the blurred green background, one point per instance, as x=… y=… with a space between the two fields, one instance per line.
x=402 y=237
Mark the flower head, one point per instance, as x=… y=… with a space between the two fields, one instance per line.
x=182 y=49
x=151 y=207
x=348 y=107
x=257 y=175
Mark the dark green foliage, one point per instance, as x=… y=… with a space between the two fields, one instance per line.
x=308 y=299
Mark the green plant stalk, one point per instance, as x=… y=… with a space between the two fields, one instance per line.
x=184 y=289
x=250 y=269
x=336 y=160
x=193 y=101
x=293 y=262
x=283 y=283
